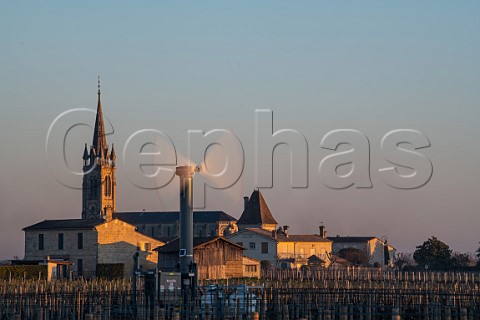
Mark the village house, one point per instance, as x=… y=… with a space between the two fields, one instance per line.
x=88 y=243
x=258 y=234
x=377 y=251
x=280 y=250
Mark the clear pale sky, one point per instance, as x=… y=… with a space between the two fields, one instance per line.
x=373 y=66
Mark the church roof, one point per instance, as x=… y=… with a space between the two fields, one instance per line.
x=159 y=217
x=256 y=211
x=198 y=242
x=65 y=224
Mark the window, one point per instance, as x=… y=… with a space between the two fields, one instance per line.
x=264 y=247
x=80 y=240
x=251 y=245
x=240 y=243
x=41 y=241
x=153 y=231
x=80 y=267
x=60 y=241
x=147 y=246
x=251 y=268
x=108 y=186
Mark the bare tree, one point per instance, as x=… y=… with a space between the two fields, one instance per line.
x=403 y=259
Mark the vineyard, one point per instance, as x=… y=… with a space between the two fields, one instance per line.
x=280 y=294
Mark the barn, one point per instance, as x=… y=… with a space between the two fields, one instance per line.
x=216 y=257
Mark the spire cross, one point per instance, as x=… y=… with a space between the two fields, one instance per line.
x=99 y=85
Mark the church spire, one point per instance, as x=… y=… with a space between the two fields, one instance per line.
x=99 y=182
x=99 y=140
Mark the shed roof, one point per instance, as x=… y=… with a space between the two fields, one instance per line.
x=198 y=243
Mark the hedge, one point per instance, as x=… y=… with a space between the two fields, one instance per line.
x=110 y=270
x=21 y=271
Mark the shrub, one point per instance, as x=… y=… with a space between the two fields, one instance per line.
x=110 y=270
x=23 y=271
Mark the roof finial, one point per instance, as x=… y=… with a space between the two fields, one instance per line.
x=98 y=85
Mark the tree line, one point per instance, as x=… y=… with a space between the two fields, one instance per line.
x=434 y=254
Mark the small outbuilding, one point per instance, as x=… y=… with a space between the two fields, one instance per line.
x=251 y=267
x=216 y=257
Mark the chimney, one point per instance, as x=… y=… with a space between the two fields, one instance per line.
x=274 y=234
x=245 y=203
x=323 y=232
x=285 y=231
x=186 y=219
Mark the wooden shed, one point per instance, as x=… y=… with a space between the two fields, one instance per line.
x=216 y=257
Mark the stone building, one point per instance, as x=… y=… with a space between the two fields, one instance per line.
x=163 y=225
x=87 y=243
x=377 y=251
x=284 y=251
x=258 y=234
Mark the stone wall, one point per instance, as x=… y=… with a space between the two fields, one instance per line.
x=118 y=241
x=70 y=250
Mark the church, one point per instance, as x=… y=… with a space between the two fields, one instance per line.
x=102 y=236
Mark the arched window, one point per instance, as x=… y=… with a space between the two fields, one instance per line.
x=108 y=186
x=92 y=186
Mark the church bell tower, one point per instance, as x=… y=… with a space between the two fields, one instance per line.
x=99 y=181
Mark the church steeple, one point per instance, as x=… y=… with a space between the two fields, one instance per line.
x=99 y=181
x=99 y=140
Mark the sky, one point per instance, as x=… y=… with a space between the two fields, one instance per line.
x=175 y=66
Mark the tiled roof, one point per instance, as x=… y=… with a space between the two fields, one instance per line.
x=290 y=238
x=158 y=217
x=350 y=239
x=65 y=224
x=198 y=242
x=256 y=211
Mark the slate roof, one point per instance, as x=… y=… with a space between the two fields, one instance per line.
x=99 y=139
x=350 y=239
x=65 y=224
x=290 y=238
x=256 y=211
x=198 y=242
x=159 y=217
